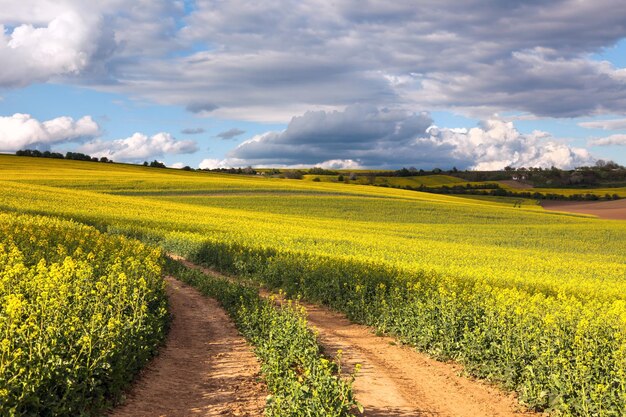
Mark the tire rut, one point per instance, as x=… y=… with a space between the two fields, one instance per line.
x=205 y=368
x=397 y=380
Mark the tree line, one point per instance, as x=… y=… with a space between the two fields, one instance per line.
x=75 y=156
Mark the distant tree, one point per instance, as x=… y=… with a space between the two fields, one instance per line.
x=293 y=174
x=403 y=172
x=340 y=178
x=56 y=155
x=157 y=164
x=321 y=171
x=77 y=156
x=248 y=170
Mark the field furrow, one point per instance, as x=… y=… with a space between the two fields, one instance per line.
x=395 y=380
x=205 y=369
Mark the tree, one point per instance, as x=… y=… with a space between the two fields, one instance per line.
x=157 y=164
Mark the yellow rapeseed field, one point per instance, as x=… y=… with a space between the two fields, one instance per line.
x=81 y=313
x=533 y=300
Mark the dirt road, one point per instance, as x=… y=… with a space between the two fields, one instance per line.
x=613 y=210
x=398 y=381
x=205 y=368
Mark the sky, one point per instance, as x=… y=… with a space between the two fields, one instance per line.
x=337 y=84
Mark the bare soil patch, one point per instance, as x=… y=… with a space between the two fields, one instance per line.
x=396 y=380
x=205 y=368
x=613 y=210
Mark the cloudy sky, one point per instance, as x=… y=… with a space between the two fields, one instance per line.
x=349 y=83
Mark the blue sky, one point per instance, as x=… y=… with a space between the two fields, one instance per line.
x=207 y=83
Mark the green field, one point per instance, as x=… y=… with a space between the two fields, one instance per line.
x=417 y=181
x=435 y=181
x=533 y=300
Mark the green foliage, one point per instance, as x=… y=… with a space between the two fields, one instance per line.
x=534 y=300
x=81 y=313
x=558 y=351
x=302 y=381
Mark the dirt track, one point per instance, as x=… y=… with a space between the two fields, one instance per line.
x=205 y=369
x=397 y=381
x=613 y=210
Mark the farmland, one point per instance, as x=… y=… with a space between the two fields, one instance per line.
x=532 y=300
x=82 y=313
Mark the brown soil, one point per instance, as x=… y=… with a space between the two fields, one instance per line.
x=397 y=380
x=205 y=368
x=614 y=210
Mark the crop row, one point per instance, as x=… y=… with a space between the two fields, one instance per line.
x=534 y=300
x=301 y=380
x=81 y=313
x=558 y=352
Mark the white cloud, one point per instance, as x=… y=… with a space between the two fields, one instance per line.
x=497 y=144
x=211 y=164
x=70 y=39
x=22 y=131
x=267 y=60
x=139 y=147
x=340 y=164
x=619 y=139
x=611 y=124
x=64 y=46
x=346 y=52
x=365 y=136
x=177 y=165
x=222 y=163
